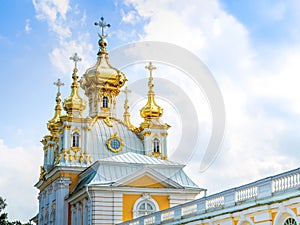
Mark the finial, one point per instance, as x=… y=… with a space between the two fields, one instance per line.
x=126 y=91
x=126 y=107
x=58 y=84
x=150 y=67
x=76 y=59
x=102 y=25
x=151 y=109
x=53 y=123
x=102 y=42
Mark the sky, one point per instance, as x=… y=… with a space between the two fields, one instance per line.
x=252 y=49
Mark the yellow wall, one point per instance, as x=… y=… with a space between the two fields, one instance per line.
x=128 y=202
x=130 y=199
x=145 y=181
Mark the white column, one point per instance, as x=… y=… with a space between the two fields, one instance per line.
x=73 y=218
x=62 y=190
x=85 y=211
x=79 y=214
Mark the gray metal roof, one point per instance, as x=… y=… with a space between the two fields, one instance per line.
x=114 y=170
x=131 y=157
x=100 y=133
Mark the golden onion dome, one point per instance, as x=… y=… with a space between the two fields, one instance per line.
x=102 y=74
x=151 y=110
x=74 y=104
x=53 y=124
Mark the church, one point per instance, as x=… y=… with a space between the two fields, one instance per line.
x=100 y=169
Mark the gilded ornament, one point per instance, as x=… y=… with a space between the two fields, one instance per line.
x=164 y=134
x=156 y=154
x=164 y=157
x=108 y=121
x=42 y=173
x=147 y=133
x=67 y=127
x=115 y=143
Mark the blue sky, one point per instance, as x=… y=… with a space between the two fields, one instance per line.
x=251 y=47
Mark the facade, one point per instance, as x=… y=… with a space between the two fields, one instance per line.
x=271 y=201
x=100 y=169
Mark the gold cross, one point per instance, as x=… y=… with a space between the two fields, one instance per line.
x=150 y=68
x=76 y=59
x=58 y=84
x=126 y=91
x=102 y=25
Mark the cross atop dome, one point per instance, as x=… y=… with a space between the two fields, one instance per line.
x=102 y=41
x=151 y=109
x=150 y=67
x=126 y=114
x=58 y=84
x=75 y=58
x=102 y=25
x=126 y=91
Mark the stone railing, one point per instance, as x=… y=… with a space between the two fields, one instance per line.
x=258 y=190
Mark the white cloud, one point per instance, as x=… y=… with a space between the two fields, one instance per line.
x=27 y=26
x=130 y=17
x=54 y=12
x=60 y=56
x=254 y=132
x=19 y=171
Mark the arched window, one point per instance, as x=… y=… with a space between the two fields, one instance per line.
x=75 y=140
x=155 y=145
x=105 y=102
x=144 y=206
x=290 y=221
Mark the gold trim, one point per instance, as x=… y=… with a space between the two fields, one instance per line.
x=115 y=136
x=164 y=134
x=156 y=154
x=67 y=127
x=42 y=173
x=108 y=121
x=147 y=133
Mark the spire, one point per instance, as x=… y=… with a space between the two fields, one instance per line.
x=74 y=104
x=102 y=41
x=102 y=82
x=53 y=123
x=126 y=114
x=151 y=110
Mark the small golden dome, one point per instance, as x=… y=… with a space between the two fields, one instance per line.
x=151 y=110
x=53 y=124
x=74 y=104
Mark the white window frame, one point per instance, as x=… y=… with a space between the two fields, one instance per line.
x=144 y=198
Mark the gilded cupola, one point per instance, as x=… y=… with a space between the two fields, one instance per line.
x=74 y=104
x=53 y=124
x=102 y=74
x=151 y=110
x=102 y=82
